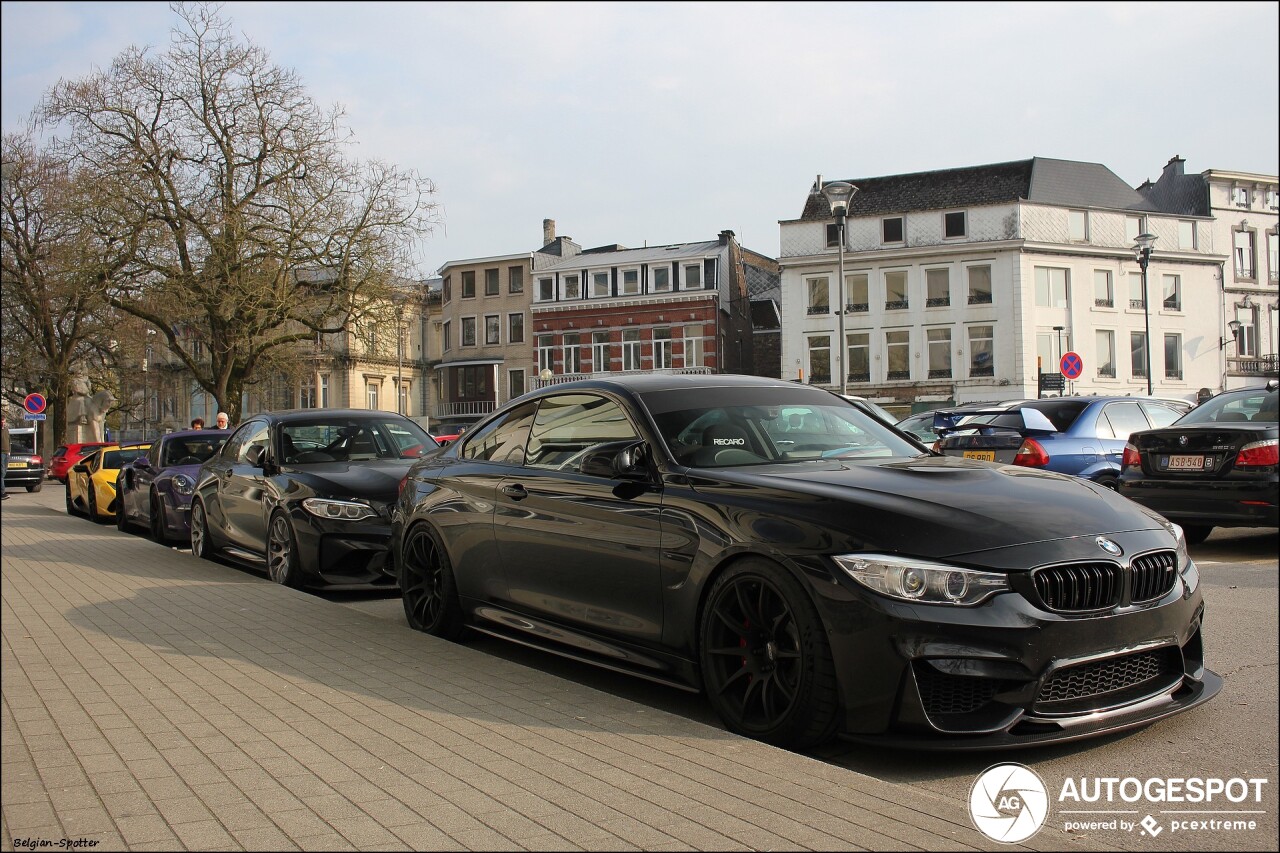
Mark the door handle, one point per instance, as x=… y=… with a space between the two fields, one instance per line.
x=516 y=493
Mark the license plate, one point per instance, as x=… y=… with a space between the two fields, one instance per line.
x=17 y=465
x=984 y=455
x=1188 y=463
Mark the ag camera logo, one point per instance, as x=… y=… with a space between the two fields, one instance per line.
x=1008 y=803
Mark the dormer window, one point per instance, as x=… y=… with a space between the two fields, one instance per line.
x=1240 y=196
x=546 y=290
x=891 y=229
x=954 y=225
x=693 y=277
x=630 y=282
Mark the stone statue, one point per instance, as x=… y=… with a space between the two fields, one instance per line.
x=99 y=405
x=86 y=415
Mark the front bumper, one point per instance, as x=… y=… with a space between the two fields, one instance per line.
x=344 y=554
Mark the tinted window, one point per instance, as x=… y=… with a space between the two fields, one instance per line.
x=115 y=459
x=1123 y=418
x=255 y=436
x=567 y=427
x=503 y=439
x=1061 y=413
x=190 y=451
x=336 y=438
x=1256 y=405
x=22 y=443
x=231 y=451
x=1161 y=415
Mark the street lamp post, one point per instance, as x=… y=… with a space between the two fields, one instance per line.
x=1142 y=251
x=838 y=195
x=399 y=359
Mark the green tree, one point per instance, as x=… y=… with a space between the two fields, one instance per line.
x=254 y=229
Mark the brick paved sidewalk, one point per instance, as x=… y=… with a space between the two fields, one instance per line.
x=156 y=701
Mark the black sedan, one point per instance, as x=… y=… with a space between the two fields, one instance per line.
x=154 y=490
x=1215 y=467
x=834 y=579
x=307 y=494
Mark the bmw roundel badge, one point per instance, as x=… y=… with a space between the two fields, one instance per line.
x=1110 y=547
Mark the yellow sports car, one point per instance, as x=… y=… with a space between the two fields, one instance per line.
x=91 y=482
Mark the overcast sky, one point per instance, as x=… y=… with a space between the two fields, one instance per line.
x=660 y=123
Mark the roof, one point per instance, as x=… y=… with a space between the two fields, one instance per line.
x=325 y=414
x=1041 y=180
x=764 y=314
x=652 y=382
x=651 y=254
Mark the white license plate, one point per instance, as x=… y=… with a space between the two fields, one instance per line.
x=984 y=455
x=1188 y=463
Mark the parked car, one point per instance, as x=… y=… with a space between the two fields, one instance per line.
x=871 y=408
x=1082 y=436
x=91 y=482
x=1215 y=467
x=67 y=455
x=307 y=494
x=26 y=465
x=922 y=425
x=446 y=439
x=156 y=488
x=660 y=526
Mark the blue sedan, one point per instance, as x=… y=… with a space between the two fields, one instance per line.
x=1081 y=436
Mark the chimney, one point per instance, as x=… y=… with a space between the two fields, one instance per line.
x=1173 y=167
x=548 y=231
x=725 y=236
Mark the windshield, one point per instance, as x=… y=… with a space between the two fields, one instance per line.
x=755 y=426
x=113 y=460
x=352 y=440
x=191 y=450
x=22 y=443
x=1256 y=406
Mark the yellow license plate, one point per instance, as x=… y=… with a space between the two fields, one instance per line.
x=17 y=465
x=984 y=455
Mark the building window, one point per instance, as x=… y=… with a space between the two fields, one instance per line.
x=857 y=300
x=1186 y=234
x=515 y=328
x=546 y=353
x=979 y=285
x=324 y=390
x=404 y=399
x=1245 y=267
x=939 y=353
x=515 y=283
x=819 y=295
x=446 y=290
x=600 y=352
x=1173 y=356
x=371 y=395
x=692 y=277
x=1138 y=355
x=630 y=349
x=515 y=383
x=1132 y=228
x=1240 y=196
x=897 y=347
x=819 y=359
x=1078 y=225
x=661 y=349
x=891 y=230
x=895 y=290
x=1051 y=287
x=572 y=287
x=546 y=289
x=1247 y=340
x=445 y=336
x=571 y=353
x=1273 y=199
x=492 y=329
x=661 y=279
x=693 y=355
x=468 y=284
x=468 y=331
x=954 y=225
x=1135 y=291
x=1273 y=256
x=981 y=353
x=833 y=235
x=1172 y=293
x=630 y=282
x=938 y=286
x=859 y=361
x=491 y=285
x=1103 y=295
x=307 y=393
x=1105 y=341
x=600 y=284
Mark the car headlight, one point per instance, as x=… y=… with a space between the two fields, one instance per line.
x=341 y=510
x=182 y=484
x=922 y=581
x=1186 y=567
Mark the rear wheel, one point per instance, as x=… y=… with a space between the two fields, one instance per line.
x=282 y=552
x=427 y=586
x=122 y=517
x=157 y=528
x=766 y=664
x=200 y=545
x=71 y=506
x=1109 y=481
x=1196 y=533
x=35 y=488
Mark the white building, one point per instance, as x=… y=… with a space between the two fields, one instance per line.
x=964 y=284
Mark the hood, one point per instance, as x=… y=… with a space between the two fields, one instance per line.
x=935 y=506
x=376 y=480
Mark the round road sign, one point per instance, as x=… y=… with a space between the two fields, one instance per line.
x=1072 y=365
x=33 y=403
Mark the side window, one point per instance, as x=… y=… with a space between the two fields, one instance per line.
x=237 y=447
x=502 y=440
x=1160 y=416
x=569 y=426
x=1125 y=418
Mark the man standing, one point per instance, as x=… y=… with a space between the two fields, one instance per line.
x=223 y=420
x=4 y=456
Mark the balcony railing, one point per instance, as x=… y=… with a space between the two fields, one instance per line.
x=1173 y=374
x=819 y=309
x=896 y=304
x=899 y=374
x=561 y=378
x=1107 y=372
x=856 y=308
x=979 y=298
x=1255 y=365
x=1136 y=303
x=937 y=301
x=471 y=408
x=1173 y=305
x=1108 y=302
x=940 y=373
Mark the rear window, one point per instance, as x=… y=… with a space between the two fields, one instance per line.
x=22 y=443
x=1257 y=406
x=1061 y=413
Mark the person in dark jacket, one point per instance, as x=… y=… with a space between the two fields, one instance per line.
x=4 y=456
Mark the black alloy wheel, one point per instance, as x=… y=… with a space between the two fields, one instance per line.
x=428 y=589
x=1109 y=481
x=156 y=519
x=200 y=545
x=282 y=552
x=766 y=664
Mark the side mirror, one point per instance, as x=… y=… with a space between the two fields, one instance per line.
x=255 y=455
x=82 y=468
x=143 y=463
x=616 y=461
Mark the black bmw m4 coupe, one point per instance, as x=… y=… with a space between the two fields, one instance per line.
x=812 y=570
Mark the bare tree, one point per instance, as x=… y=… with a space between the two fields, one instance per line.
x=254 y=230
x=55 y=323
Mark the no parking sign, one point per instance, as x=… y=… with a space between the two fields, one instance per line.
x=1072 y=365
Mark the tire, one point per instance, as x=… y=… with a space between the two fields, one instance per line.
x=427 y=586
x=92 y=501
x=1196 y=533
x=201 y=547
x=37 y=487
x=71 y=507
x=122 y=519
x=282 y=552
x=156 y=520
x=766 y=664
x=1109 y=481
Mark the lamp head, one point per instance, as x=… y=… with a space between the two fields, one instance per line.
x=838 y=195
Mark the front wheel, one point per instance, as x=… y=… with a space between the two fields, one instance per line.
x=766 y=665
x=427 y=586
x=200 y=544
x=92 y=500
x=1196 y=533
x=71 y=506
x=282 y=552
x=157 y=527
x=122 y=517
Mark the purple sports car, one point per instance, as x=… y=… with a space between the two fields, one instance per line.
x=155 y=489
